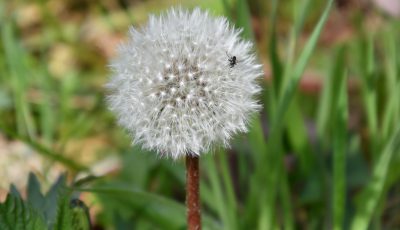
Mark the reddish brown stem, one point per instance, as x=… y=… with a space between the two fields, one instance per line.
x=192 y=193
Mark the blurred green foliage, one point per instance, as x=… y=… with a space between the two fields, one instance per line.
x=323 y=153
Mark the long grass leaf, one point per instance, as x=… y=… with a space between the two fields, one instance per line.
x=229 y=189
x=276 y=64
x=18 y=73
x=392 y=85
x=243 y=19
x=339 y=152
x=299 y=68
x=287 y=207
x=274 y=142
x=218 y=191
x=370 y=197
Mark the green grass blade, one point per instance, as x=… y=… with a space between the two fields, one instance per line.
x=229 y=189
x=302 y=9
x=258 y=149
x=369 y=199
x=276 y=64
x=370 y=94
x=274 y=142
x=48 y=112
x=299 y=68
x=227 y=5
x=207 y=197
x=392 y=85
x=273 y=162
x=243 y=19
x=287 y=208
x=224 y=210
x=298 y=136
x=369 y=91
x=18 y=78
x=339 y=154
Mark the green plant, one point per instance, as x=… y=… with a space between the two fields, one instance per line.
x=321 y=159
x=54 y=210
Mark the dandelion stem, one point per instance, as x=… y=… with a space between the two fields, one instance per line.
x=192 y=192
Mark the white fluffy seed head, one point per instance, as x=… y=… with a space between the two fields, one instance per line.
x=174 y=87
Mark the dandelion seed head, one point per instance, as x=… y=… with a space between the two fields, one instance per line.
x=172 y=86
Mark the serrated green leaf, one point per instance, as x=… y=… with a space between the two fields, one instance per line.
x=64 y=213
x=14 y=191
x=52 y=200
x=15 y=214
x=35 y=196
x=52 y=211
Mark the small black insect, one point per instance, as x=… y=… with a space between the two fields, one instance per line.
x=232 y=60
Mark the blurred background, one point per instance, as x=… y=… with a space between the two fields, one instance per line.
x=323 y=153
